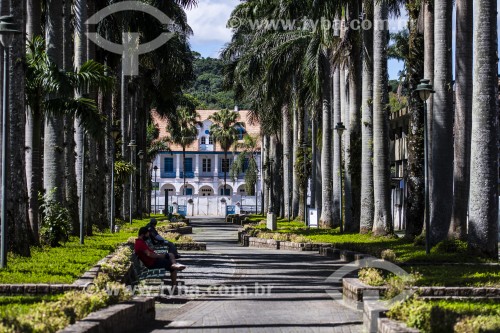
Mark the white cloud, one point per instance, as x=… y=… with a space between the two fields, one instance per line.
x=208 y=21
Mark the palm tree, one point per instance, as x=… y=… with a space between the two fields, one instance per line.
x=183 y=131
x=441 y=189
x=483 y=209
x=224 y=131
x=366 y=218
x=248 y=150
x=381 y=169
x=463 y=119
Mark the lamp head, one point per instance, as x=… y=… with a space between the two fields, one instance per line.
x=424 y=89
x=132 y=145
x=340 y=128
x=7 y=30
x=115 y=131
x=140 y=154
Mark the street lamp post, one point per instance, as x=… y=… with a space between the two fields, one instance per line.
x=155 y=168
x=141 y=157
x=425 y=90
x=304 y=151
x=340 y=128
x=271 y=195
x=132 y=145
x=7 y=31
x=115 y=132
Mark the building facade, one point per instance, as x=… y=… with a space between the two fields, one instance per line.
x=195 y=185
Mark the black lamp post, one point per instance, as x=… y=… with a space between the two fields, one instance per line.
x=132 y=145
x=340 y=128
x=155 y=168
x=7 y=31
x=271 y=196
x=115 y=132
x=304 y=151
x=141 y=157
x=425 y=90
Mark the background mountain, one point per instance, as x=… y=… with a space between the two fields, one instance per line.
x=207 y=92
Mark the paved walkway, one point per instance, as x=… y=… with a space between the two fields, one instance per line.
x=285 y=290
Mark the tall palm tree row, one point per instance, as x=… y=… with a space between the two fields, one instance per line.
x=58 y=91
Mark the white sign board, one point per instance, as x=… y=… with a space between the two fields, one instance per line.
x=313 y=217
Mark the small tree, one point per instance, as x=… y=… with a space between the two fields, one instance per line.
x=248 y=152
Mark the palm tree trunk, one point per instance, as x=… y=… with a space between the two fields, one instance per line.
x=225 y=171
x=483 y=211
x=184 y=172
x=367 y=208
x=18 y=228
x=315 y=163
x=337 y=172
x=295 y=152
x=33 y=18
x=33 y=130
x=70 y=190
x=463 y=119
x=442 y=128
x=381 y=169
x=354 y=129
x=54 y=138
x=80 y=9
x=326 y=219
x=124 y=122
x=287 y=161
x=415 y=184
x=428 y=7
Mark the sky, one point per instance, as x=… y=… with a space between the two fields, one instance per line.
x=209 y=18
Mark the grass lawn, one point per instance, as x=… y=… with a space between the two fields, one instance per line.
x=442 y=316
x=406 y=252
x=66 y=263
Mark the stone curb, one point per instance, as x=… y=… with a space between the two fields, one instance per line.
x=386 y=325
x=123 y=317
x=353 y=289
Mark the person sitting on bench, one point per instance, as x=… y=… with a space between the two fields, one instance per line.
x=153 y=260
x=156 y=239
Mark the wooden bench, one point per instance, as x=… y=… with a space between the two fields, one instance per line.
x=144 y=273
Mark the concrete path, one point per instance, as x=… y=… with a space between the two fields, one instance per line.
x=230 y=288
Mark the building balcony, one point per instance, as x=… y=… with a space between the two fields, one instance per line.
x=189 y=174
x=206 y=147
x=168 y=174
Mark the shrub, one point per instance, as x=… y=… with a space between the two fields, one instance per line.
x=299 y=239
x=56 y=221
x=280 y=237
x=450 y=246
x=479 y=324
x=371 y=276
x=388 y=255
x=419 y=240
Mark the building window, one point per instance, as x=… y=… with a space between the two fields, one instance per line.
x=207 y=165
x=225 y=164
x=245 y=165
x=169 y=164
x=203 y=140
x=210 y=140
x=189 y=164
x=189 y=191
x=228 y=191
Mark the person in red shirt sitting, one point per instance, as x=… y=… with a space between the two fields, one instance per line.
x=152 y=260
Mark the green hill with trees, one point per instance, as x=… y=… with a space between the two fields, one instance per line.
x=207 y=91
